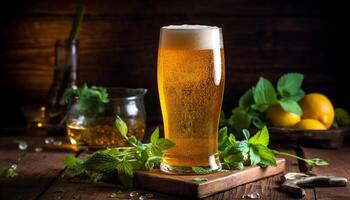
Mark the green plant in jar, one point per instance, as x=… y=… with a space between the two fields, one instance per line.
x=91 y=112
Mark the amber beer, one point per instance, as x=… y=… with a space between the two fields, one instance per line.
x=191 y=76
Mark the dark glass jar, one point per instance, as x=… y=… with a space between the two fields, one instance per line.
x=65 y=76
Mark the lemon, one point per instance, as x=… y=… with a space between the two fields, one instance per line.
x=317 y=106
x=277 y=117
x=310 y=124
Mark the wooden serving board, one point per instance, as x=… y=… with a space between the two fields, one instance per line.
x=217 y=182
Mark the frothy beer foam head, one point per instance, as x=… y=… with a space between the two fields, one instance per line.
x=190 y=37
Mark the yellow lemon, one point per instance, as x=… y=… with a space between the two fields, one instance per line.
x=277 y=117
x=319 y=107
x=310 y=124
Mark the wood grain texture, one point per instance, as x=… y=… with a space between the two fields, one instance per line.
x=36 y=171
x=39 y=173
x=268 y=188
x=339 y=166
x=119 y=40
x=217 y=182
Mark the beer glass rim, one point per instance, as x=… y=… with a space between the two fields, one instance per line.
x=190 y=27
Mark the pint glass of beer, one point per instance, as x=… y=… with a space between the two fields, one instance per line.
x=191 y=77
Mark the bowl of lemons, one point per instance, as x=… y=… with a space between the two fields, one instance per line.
x=291 y=115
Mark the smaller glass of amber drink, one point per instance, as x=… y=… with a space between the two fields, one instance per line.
x=100 y=131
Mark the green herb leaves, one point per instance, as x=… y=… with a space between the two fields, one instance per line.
x=251 y=151
x=121 y=126
x=342 y=118
x=310 y=163
x=289 y=85
x=264 y=94
x=91 y=101
x=254 y=102
x=7 y=172
x=124 y=160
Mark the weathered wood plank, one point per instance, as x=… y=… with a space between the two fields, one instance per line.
x=339 y=166
x=36 y=171
x=268 y=188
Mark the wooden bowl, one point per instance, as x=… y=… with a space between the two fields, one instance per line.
x=332 y=138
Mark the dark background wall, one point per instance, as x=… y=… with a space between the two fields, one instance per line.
x=119 y=39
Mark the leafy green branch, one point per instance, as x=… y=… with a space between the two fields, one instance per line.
x=233 y=154
x=90 y=101
x=254 y=102
x=253 y=150
x=123 y=160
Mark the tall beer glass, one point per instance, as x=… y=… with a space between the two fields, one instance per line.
x=191 y=76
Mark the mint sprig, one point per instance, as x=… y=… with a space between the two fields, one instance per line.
x=257 y=100
x=253 y=150
x=233 y=155
x=90 y=101
x=7 y=172
x=123 y=160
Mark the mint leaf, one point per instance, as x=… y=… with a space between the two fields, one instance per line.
x=315 y=162
x=290 y=105
x=8 y=172
x=69 y=160
x=222 y=138
x=153 y=161
x=246 y=99
x=296 y=96
x=125 y=173
x=155 y=136
x=121 y=126
x=289 y=84
x=261 y=137
x=197 y=179
x=68 y=96
x=101 y=163
x=260 y=107
x=254 y=156
x=201 y=170
x=235 y=161
x=239 y=119
x=165 y=143
x=246 y=134
x=257 y=119
x=234 y=165
x=267 y=157
x=92 y=101
x=264 y=93
x=342 y=117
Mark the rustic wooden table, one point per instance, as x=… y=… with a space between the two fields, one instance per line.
x=40 y=172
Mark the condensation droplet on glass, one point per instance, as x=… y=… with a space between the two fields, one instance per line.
x=133 y=194
x=58 y=143
x=149 y=195
x=14 y=166
x=22 y=146
x=38 y=149
x=49 y=140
